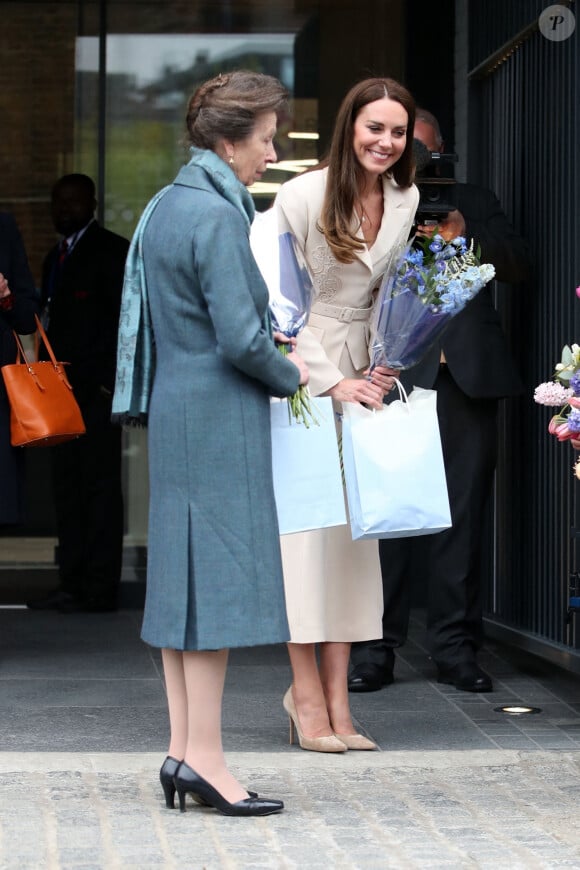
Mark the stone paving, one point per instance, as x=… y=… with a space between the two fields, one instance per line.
x=457 y=784
x=428 y=810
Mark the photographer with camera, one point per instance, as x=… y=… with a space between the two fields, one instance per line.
x=471 y=369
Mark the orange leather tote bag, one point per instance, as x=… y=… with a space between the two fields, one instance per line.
x=43 y=409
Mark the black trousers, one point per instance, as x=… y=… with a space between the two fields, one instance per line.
x=88 y=497
x=451 y=560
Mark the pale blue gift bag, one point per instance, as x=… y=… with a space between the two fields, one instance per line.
x=393 y=467
x=306 y=469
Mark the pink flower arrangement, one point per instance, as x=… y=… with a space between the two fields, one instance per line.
x=563 y=391
x=552 y=394
x=560 y=430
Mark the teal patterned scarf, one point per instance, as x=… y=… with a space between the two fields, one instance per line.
x=136 y=344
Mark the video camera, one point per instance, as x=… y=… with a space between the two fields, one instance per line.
x=436 y=192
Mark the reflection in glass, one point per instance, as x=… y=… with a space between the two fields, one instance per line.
x=149 y=78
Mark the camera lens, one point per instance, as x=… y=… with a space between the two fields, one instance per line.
x=421 y=154
x=431 y=194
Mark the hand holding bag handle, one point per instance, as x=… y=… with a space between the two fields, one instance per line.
x=43 y=409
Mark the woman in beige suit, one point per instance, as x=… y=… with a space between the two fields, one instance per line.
x=347 y=214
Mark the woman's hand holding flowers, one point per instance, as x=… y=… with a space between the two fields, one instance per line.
x=301 y=366
x=281 y=338
x=289 y=351
x=383 y=377
x=357 y=390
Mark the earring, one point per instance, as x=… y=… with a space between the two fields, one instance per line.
x=232 y=162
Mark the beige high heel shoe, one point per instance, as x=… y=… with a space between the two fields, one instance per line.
x=316 y=744
x=357 y=741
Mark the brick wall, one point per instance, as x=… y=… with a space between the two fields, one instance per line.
x=37 y=45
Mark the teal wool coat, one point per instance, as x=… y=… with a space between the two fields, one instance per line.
x=214 y=576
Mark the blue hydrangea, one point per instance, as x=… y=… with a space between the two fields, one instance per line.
x=574 y=420
x=575 y=383
x=415 y=257
x=444 y=275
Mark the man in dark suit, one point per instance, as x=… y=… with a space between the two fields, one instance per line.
x=81 y=294
x=470 y=369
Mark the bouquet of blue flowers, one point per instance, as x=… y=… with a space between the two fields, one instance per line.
x=425 y=287
x=289 y=283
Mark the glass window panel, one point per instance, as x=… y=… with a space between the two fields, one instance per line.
x=149 y=78
x=121 y=121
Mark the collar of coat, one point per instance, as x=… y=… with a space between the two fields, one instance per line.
x=221 y=177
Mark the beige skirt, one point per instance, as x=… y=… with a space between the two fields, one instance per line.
x=333 y=586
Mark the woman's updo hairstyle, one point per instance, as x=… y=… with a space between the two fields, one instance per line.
x=226 y=107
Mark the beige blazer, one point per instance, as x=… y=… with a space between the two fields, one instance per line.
x=335 y=344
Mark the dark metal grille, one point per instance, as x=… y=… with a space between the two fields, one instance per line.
x=496 y=23
x=527 y=130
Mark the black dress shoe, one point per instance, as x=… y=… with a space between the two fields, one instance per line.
x=167 y=774
x=52 y=601
x=369 y=678
x=187 y=781
x=466 y=676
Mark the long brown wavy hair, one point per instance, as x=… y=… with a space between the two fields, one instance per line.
x=345 y=174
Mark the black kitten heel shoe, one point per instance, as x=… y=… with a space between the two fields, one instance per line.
x=187 y=781
x=166 y=775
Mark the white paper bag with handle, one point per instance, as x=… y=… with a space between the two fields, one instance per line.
x=306 y=469
x=393 y=466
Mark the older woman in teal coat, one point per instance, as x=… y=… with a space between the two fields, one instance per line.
x=214 y=576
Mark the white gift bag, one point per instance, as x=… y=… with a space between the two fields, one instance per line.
x=306 y=469
x=393 y=466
